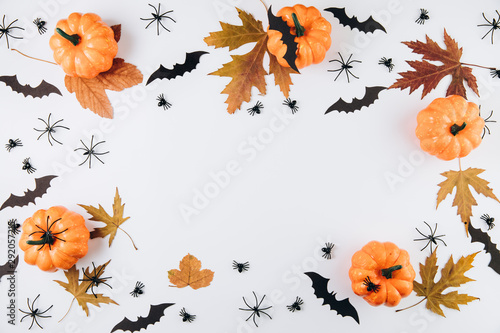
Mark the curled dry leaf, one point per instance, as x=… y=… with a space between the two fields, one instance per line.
x=190 y=274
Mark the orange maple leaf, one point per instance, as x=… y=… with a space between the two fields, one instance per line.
x=190 y=274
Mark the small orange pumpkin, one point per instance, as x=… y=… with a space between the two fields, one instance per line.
x=449 y=127
x=83 y=45
x=312 y=31
x=381 y=273
x=54 y=238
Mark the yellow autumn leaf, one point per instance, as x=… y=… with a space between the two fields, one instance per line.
x=281 y=74
x=190 y=274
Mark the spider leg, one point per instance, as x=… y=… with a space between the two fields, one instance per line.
x=246 y=305
x=254 y=319
x=163 y=26
x=256 y=301
x=439 y=239
x=266 y=313
x=490 y=23
x=488 y=33
x=429 y=242
x=352 y=74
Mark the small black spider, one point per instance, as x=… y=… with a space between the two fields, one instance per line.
x=34 y=313
x=256 y=108
x=494 y=24
x=256 y=310
x=138 y=289
x=13 y=144
x=49 y=129
x=5 y=30
x=487 y=120
x=163 y=102
x=423 y=16
x=40 y=25
x=13 y=226
x=291 y=104
x=91 y=151
x=327 y=250
x=344 y=66
x=186 y=317
x=387 y=63
x=48 y=237
x=27 y=166
x=95 y=278
x=296 y=305
x=431 y=238
x=495 y=72
x=489 y=221
x=241 y=267
x=370 y=286
x=157 y=17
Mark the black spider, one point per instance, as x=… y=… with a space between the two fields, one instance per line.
x=431 y=238
x=158 y=17
x=27 y=166
x=95 y=279
x=256 y=310
x=423 y=16
x=186 y=317
x=256 y=108
x=49 y=129
x=13 y=144
x=344 y=66
x=48 y=237
x=387 y=63
x=241 y=267
x=327 y=250
x=494 y=24
x=5 y=30
x=296 y=305
x=91 y=151
x=370 y=286
x=291 y=104
x=40 y=25
x=495 y=72
x=489 y=221
x=13 y=226
x=138 y=289
x=487 y=120
x=34 y=313
x=163 y=102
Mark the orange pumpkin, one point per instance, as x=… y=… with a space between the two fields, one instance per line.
x=381 y=273
x=83 y=45
x=54 y=238
x=312 y=31
x=449 y=127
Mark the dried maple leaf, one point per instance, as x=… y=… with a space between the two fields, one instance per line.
x=464 y=200
x=117 y=30
x=190 y=274
x=113 y=223
x=429 y=75
x=281 y=74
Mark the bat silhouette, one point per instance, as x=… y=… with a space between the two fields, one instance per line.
x=477 y=235
x=277 y=23
x=43 y=89
x=42 y=184
x=320 y=286
x=9 y=268
x=154 y=316
x=371 y=95
x=370 y=25
x=192 y=59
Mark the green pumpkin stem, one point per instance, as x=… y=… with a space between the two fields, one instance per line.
x=299 y=29
x=387 y=272
x=454 y=129
x=74 y=39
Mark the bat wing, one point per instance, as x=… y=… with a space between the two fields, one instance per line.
x=477 y=235
x=343 y=307
x=192 y=60
x=154 y=316
x=9 y=267
x=371 y=95
x=43 y=89
x=41 y=186
x=370 y=25
x=277 y=23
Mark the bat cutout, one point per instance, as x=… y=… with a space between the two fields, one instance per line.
x=42 y=184
x=192 y=59
x=370 y=25
x=277 y=23
x=477 y=235
x=9 y=267
x=154 y=316
x=371 y=95
x=43 y=89
x=320 y=286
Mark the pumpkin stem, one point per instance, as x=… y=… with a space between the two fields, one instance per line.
x=74 y=39
x=299 y=29
x=454 y=129
x=387 y=272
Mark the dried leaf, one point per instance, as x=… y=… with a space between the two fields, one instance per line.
x=120 y=76
x=190 y=274
x=281 y=74
x=464 y=200
x=117 y=30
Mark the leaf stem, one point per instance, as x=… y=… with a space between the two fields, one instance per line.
x=135 y=247
x=423 y=299
x=460 y=164
x=466 y=64
x=264 y=4
x=27 y=56
x=68 y=310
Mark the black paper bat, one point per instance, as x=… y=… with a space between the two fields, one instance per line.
x=477 y=235
x=9 y=268
x=43 y=89
x=192 y=59
x=371 y=95
x=42 y=184
x=277 y=23
x=320 y=286
x=370 y=25
x=154 y=316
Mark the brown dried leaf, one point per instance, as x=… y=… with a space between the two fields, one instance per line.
x=190 y=274
x=120 y=76
x=117 y=29
x=281 y=74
